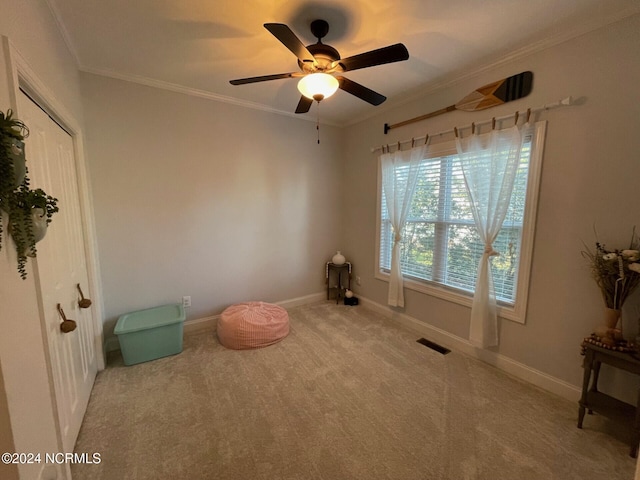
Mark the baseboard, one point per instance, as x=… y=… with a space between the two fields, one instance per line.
x=198 y=325
x=506 y=364
x=210 y=323
x=111 y=344
x=306 y=300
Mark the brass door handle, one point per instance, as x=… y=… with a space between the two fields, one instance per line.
x=83 y=302
x=67 y=325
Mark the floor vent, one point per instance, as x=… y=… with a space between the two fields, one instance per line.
x=433 y=346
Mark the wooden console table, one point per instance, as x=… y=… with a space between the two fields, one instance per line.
x=610 y=407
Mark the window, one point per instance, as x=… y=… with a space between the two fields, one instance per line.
x=441 y=248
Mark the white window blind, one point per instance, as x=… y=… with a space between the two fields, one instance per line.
x=440 y=242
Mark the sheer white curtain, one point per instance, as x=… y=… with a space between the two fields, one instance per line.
x=489 y=164
x=399 y=178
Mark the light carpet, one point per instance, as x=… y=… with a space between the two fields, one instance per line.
x=347 y=395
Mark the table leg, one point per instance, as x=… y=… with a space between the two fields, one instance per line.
x=596 y=375
x=581 y=412
x=636 y=430
x=587 y=366
x=328 y=280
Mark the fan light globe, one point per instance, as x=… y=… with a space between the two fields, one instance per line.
x=318 y=86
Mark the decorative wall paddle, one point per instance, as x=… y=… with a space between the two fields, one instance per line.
x=496 y=93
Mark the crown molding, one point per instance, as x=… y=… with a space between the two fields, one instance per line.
x=66 y=36
x=512 y=56
x=427 y=89
x=194 y=92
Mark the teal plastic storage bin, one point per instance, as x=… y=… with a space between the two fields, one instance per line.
x=152 y=333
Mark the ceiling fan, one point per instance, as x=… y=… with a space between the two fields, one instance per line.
x=320 y=65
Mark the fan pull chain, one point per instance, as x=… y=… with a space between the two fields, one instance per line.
x=318 y=121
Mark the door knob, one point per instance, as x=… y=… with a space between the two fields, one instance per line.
x=67 y=325
x=83 y=302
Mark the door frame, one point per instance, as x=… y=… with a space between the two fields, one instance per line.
x=22 y=76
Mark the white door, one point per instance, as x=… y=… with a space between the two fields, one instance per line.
x=61 y=267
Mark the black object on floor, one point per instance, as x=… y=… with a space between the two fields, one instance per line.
x=433 y=346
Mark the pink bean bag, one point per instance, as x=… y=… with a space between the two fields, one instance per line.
x=252 y=325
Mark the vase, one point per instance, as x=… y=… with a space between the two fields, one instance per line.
x=38 y=228
x=611 y=317
x=338 y=259
x=38 y=224
x=16 y=154
x=608 y=332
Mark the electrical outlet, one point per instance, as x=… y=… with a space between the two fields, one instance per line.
x=358 y=280
x=186 y=301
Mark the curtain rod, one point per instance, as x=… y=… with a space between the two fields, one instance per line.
x=565 y=102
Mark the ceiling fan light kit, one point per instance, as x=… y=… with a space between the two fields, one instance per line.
x=318 y=86
x=320 y=65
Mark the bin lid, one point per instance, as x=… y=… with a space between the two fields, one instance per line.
x=150 y=318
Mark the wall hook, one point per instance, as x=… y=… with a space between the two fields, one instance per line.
x=83 y=302
x=67 y=325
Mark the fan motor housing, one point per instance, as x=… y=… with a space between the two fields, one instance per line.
x=324 y=54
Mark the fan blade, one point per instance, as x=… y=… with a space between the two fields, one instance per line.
x=360 y=91
x=289 y=40
x=390 y=54
x=265 y=78
x=304 y=104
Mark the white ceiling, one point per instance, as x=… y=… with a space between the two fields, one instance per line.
x=199 y=45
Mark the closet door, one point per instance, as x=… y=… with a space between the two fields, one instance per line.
x=60 y=267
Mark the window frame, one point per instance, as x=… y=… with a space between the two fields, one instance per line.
x=517 y=312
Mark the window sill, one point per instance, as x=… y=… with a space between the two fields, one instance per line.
x=508 y=313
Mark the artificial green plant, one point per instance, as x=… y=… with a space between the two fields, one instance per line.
x=17 y=199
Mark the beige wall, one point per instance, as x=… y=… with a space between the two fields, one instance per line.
x=201 y=198
x=590 y=177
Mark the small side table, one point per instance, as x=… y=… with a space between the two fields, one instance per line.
x=593 y=400
x=338 y=278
